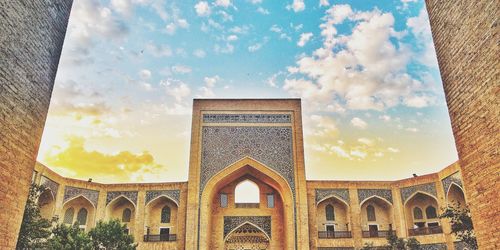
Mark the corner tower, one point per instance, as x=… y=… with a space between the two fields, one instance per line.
x=234 y=140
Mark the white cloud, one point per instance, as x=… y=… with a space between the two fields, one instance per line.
x=393 y=150
x=202 y=9
x=339 y=151
x=183 y=23
x=366 y=70
x=170 y=28
x=158 y=50
x=322 y=126
x=421 y=29
x=211 y=81
x=176 y=89
x=181 y=69
x=256 y=1
x=145 y=74
x=207 y=90
x=199 y=53
x=358 y=153
x=304 y=38
x=366 y=141
x=223 y=3
x=263 y=11
x=323 y=3
x=257 y=46
x=385 y=118
x=225 y=16
x=297 y=5
x=414 y=130
x=232 y=38
x=419 y=101
x=358 y=123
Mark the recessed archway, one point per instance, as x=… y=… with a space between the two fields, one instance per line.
x=247 y=236
x=455 y=196
x=376 y=217
x=47 y=203
x=122 y=209
x=332 y=218
x=282 y=237
x=161 y=219
x=79 y=210
x=428 y=221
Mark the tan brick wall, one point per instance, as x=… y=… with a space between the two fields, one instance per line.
x=466 y=39
x=31 y=38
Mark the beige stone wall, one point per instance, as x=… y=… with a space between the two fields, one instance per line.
x=31 y=37
x=466 y=39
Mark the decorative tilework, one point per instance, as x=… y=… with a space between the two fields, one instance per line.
x=172 y=194
x=247 y=118
x=72 y=192
x=460 y=245
x=131 y=195
x=437 y=246
x=50 y=184
x=429 y=188
x=222 y=146
x=366 y=193
x=232 y=222
x=341 y=193
x=454 y=178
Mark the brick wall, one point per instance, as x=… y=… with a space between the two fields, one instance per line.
x=466 y=39
x=31 y=38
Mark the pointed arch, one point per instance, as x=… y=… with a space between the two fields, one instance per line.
x=68 y=215
x=117 y=198
x=263 y=173
x=336 y=197
x=376 y=197
x=247 y=223
x=126 y=214
x=165 y=214
x=78 y=197
x=81 y=217
x=420 y=192
x=164 y=196
x=330 y=212
x=247 y=191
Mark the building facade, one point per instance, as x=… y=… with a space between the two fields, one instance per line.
x=258 y=144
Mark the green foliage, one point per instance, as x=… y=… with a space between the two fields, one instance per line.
x=69 y=238
x=34 y=229
x=367 y=246
x=395 y=243
x=111 y=235
x=461 y=224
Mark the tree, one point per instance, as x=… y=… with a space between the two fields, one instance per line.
x=34 y=229
x=111 y=235
x=69 y=238
x=461 y=224
x=395 y=243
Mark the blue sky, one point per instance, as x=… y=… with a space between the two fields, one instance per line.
x=366 y=72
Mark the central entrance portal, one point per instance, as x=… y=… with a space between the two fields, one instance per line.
x=247 y=237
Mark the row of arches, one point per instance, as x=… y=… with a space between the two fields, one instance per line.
x=160 y=213
x=377 y=215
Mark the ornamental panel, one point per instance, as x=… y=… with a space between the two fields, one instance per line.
x=172 y=194
x=131 y=195
x=72 y=192
x=454 y=178
x=223 y=146
x=437 y=246
x=247 y=118
x=366 y=193
x=50 y=184
x=429 y=188
x=341 y=193
x=232 y=222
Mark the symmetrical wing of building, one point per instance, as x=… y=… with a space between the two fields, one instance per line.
x=258 y=144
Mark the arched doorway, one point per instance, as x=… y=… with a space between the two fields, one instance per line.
x=214 y=218
x=247 y=237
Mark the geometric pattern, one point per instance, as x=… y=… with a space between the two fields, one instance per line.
x=429 y=188
x=131 y=195
x=72 y=192
x=247 y=118
x=340 y=193
x=366 y=193
x=436 y=246
x=50 y=185
x=454 y=178
x=232 y=222
x=222 y=146
x=172 y=194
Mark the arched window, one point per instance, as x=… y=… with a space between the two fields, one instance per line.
x=370 y=213
x=127 y=213
x=68 y=216
x=330 y=212
x=430 y=211
x=417 y=213
x=165 y=214
x=81 y=217
x=246 y=192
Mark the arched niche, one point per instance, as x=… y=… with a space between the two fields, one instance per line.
x=341 y=220
x=47 y=203
x=247 y=236
x=427 y=224
x=73 y=211
x=455 y=196
x=161 y=217
x=212 y=215
x=120 y=208
x=376 y=217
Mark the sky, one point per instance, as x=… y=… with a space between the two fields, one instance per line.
x=372 y=98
